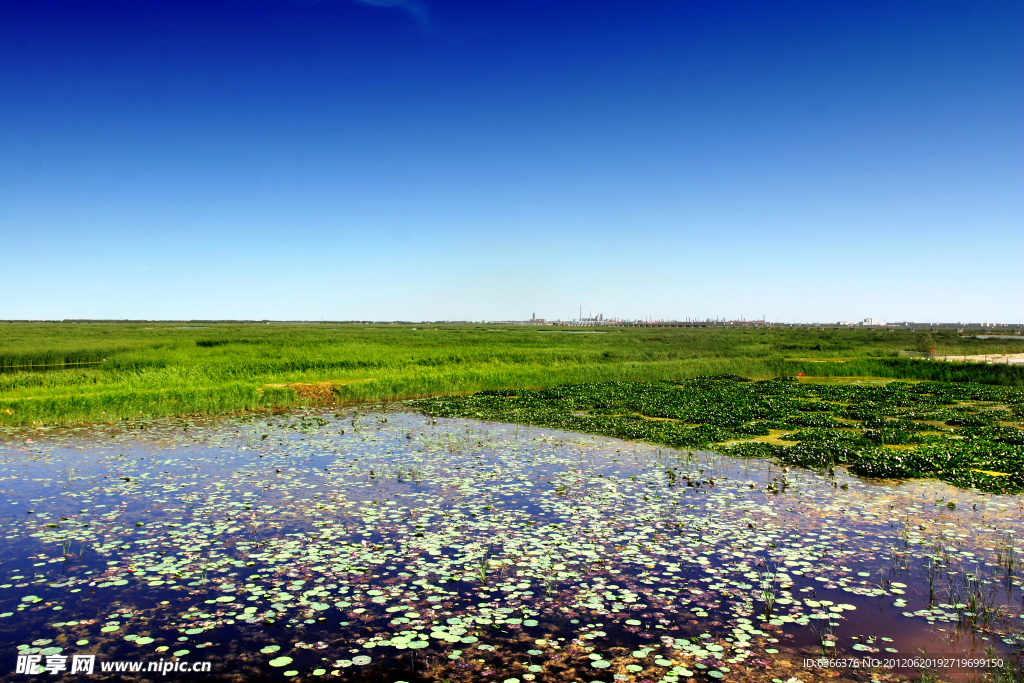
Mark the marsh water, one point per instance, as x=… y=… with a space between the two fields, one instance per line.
x=388 y=546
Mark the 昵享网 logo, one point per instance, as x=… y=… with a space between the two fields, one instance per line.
x=55 y=664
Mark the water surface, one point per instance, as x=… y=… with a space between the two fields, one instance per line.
x=384 y=545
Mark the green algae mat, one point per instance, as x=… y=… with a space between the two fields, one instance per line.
x=965 y=433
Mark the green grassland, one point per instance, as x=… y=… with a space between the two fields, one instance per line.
x=53 y=373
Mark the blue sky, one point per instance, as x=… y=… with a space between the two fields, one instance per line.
x=425 y=160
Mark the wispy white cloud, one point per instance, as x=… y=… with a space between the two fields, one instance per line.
x=418 y=10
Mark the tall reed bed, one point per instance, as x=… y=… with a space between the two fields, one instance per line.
x=68 y=372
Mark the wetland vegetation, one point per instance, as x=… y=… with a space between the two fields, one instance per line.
x=966 y=433
x=90 y=372
x=540 y=507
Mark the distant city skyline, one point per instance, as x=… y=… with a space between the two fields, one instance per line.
x=596 y=320
x=430 y=159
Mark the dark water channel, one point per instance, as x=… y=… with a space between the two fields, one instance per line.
x=387 y=546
